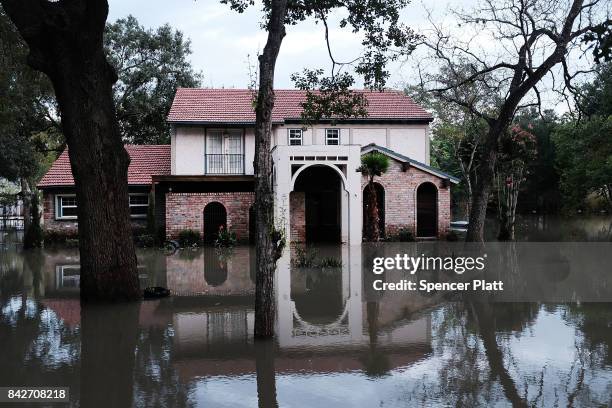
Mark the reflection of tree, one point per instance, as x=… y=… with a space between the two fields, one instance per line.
x=266 y=375
x=485 y=320
x=376 y=363
x=108 y=340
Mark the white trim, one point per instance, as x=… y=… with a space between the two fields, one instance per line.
x=138 y=205
x=57 y=207
x=290 y=138
x=337 y=137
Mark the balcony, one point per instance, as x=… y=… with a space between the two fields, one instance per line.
x=224 y=163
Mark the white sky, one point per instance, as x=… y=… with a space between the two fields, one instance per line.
x=222 y=39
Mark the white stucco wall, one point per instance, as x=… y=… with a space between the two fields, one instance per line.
x=188 y=143
x=188 y=151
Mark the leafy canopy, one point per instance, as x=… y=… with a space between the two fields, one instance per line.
x=151 y=65
x=374 y=164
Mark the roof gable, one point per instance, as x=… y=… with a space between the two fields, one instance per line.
x=404 y=159
x=235 y=106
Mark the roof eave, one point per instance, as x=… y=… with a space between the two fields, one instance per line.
x=414 y=163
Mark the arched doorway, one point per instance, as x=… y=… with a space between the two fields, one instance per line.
x=427 y=210
x=215 y=218
x=380 y=201
x=321 y=187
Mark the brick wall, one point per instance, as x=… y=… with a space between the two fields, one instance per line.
x=186 y=211
x=297 y=209
x=50 y=223
x=400 y=197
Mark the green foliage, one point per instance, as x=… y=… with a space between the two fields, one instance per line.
x=584 y=160
x=189 y=237
x=25 y=100
x=374 y=164
x=225 y=238
x=307 y=258
x=60 y=237
x=151 y=65
x=402 y=235
x=304 y=257
x=330 y=262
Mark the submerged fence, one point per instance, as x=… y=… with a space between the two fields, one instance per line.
x=11 y=216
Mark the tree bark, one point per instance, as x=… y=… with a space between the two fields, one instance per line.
x=270 y=241
x=65 y=41
x=26 y=199
x=372 y=223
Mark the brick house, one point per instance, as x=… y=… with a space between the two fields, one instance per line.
x=204 y=179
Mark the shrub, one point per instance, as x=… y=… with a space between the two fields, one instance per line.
x=405 y=235
x=225 y=238
x=304 y=257
x=188 y=237
x=330 y=262
x=52 y=237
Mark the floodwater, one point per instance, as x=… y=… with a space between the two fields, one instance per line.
x=338 y=342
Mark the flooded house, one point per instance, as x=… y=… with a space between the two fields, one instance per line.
x=204 y=179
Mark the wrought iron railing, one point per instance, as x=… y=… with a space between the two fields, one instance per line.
x=224 y=163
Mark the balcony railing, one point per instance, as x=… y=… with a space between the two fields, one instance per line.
x=224 y=163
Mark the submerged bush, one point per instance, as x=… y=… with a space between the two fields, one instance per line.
x=402 y=235
x=304 y=257
x=225 y=238
x=188 y=237
x=330 y=262
x=53 y=237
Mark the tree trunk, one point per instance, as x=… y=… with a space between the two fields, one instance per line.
x=372 y=230
x=270 y=241
x=65 y=41
x=266 y=373
x=26 y=199
x=480 y=197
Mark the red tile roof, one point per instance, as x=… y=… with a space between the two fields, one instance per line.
x=236 y=106
x=147 y=160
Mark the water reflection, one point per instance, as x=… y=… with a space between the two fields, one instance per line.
x=339 y=342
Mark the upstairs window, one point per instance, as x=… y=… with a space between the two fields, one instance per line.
x=295 y=137
x=332 y=137
x=139 y=205
x=66 y=207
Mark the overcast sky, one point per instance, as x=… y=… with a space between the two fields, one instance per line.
x=222 y=39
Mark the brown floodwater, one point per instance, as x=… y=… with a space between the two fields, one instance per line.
x=338 y=342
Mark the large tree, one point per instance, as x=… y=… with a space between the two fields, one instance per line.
x=150 y=65
x=384 y=38
x=532 y=39
x=65 y=40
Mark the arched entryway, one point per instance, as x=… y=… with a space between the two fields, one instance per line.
x=380 y=201
x=215 y=218
x=317 y=204
x=427 y=210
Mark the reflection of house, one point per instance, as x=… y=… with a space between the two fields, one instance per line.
x=204 y=179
